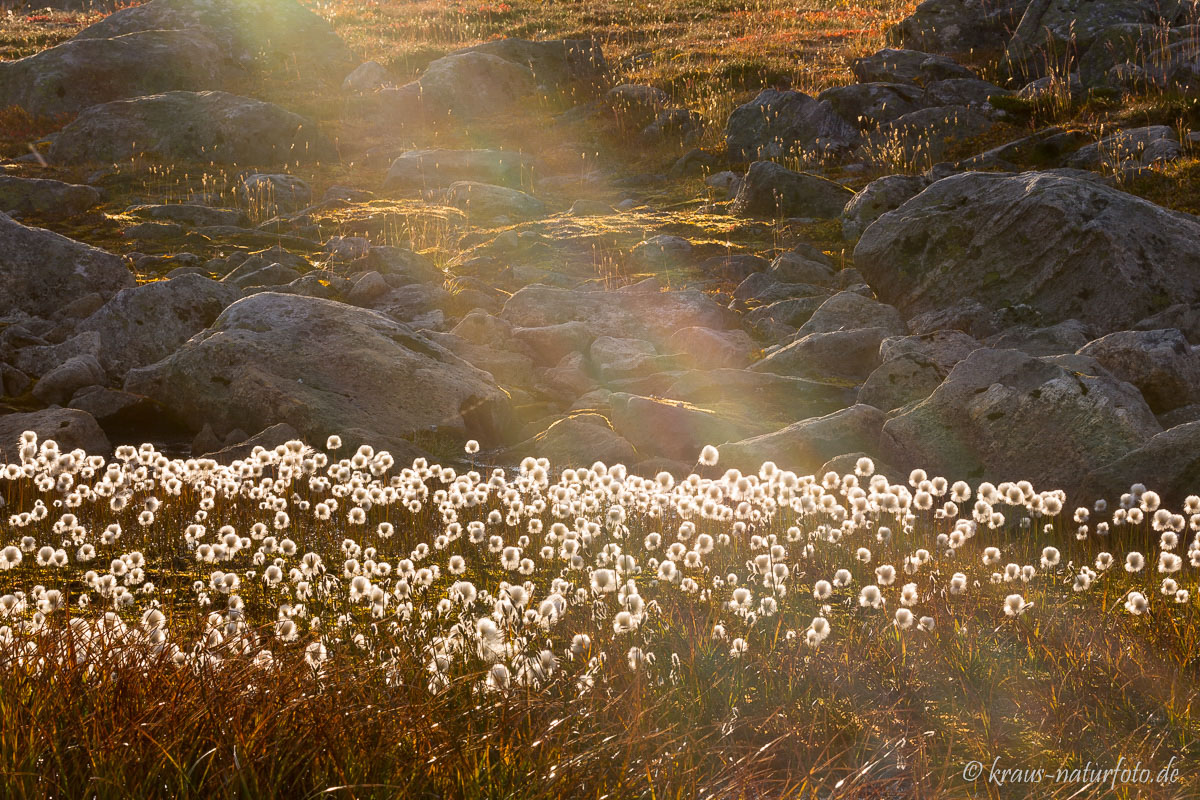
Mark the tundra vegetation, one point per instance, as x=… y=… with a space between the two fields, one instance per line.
x=599 y=398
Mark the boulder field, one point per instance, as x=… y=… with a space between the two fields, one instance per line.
x=1011 y=314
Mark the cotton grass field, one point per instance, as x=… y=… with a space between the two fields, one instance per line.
x=311 y=623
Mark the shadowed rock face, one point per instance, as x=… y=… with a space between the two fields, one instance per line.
x=770 y=190
x=144 y=324
x=85 y=72
x=196 y=126
x=323 y=367
x=1169 y=463
x=68 y=427
x=957 y=26
x=877 y=198
x=1160 y=363
x=40 y=271
x=780 y=122
x=1069 y=248
x=1053 y=32
x=45 y=197
x=891 y=65
x=1004 y=415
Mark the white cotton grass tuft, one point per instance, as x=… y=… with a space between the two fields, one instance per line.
x=818 y=631
x=1050 y=557
x=1015 y=605
x=326 y=552
x=871 y=596
x=1137 y=604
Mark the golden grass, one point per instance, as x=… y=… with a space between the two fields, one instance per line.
x=873 y=712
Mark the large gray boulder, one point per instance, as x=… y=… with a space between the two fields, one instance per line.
x=1118 y=58
x=1184 y=316
x=913 y=367
x=85 y=72
x=778 y=123
x=463 y=85
x=555 y=63
x=635 y=105
x=899 y=381
x=274 y=35
x=204 y=126
x=839 y=341
x=847 y=311
x=764 y=288
x=807 y=265
x=1049 y=340
x=58 y=385
x=963 y=92
x=926 y=136
x=1005 y=415
x=41 y=271
x=1066 y=247
x=484 y=202
x=613 y=358
x=945 y=348
x=869 y=104
x=804 y=446
x=958 y=26
x=893 y=65
x=323 y=367
x=772 y=190
x=37 y=358
x=190 y=214
x=147 y=323
x=1052 y=33
x=705 y=348
x=472 y=84
x=876 y=199
x=275 y=193
x=1130 y=148
x=1169 y=463
x=45 y=198
x=846 y=356
x=69 y=428
x=366 y=77
x=1044 y=148
x=1161 y=364
x=577 y=440
x=662 y=252
x=511 y=370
